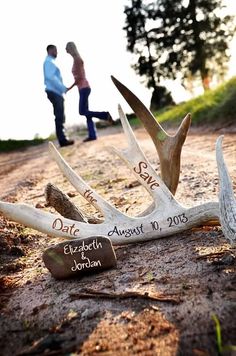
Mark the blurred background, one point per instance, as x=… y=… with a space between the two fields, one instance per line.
x=165 y=51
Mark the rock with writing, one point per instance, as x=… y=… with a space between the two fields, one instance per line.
x=74 y=258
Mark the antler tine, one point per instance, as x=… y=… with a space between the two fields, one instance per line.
x=83 y=188
x=168 y=147
x=54 y=225
x=32 y=217
x=140 y=109
x=127 y=130
x=134 y=157
x=227 y=201
x=170 y=154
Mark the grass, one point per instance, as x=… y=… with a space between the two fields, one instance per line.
x=220 y=348
x=11 y=145
x=215 y=107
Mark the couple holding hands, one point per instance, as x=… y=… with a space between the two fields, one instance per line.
x=55 y=89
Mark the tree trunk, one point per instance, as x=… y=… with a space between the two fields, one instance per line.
x=199 y=44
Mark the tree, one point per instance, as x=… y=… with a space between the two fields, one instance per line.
x=161 y=98
x=181 y=38
x=140 y=43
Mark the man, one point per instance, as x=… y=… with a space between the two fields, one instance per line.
x=55 y=89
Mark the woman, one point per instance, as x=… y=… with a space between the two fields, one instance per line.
x=84 y=91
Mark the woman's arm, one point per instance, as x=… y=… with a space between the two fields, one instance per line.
x=72 y=86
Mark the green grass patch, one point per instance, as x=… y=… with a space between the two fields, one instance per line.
x=221 y=349
x=12 y=145
x=215 y=106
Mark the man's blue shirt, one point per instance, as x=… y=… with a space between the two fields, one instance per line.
x=52 y=77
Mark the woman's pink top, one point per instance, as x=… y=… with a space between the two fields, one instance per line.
x=79 y=73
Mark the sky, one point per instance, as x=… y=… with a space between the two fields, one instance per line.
x=28 y=26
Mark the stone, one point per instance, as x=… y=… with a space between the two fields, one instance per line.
x=75 y=258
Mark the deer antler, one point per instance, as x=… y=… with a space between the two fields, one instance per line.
x=227 y=201
x=168 y=147
x=167 y=218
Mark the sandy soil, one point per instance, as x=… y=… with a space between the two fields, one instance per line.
x=193 y=271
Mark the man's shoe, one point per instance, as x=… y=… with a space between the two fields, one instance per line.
x=67 y=143
x=110 y=119
x=87 y=139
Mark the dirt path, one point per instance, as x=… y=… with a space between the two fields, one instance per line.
x=194 y=271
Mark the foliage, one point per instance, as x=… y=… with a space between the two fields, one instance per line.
x=182 y=38
x=11 y=145
x=220 y=347
x=214 y=107
x=161 y=97
x=140 y=41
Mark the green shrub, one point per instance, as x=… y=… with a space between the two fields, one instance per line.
x=214 y=106
x=11 y=145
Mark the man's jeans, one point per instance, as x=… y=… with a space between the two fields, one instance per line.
x=84 y=110
x=59 y=113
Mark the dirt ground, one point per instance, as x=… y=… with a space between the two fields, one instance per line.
x=192 y=274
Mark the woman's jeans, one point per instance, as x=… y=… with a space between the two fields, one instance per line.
x=84 y=110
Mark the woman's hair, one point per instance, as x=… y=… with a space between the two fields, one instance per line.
x=71 y=48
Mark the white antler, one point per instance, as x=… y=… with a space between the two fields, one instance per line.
x=227 y=200
x=167 y=218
